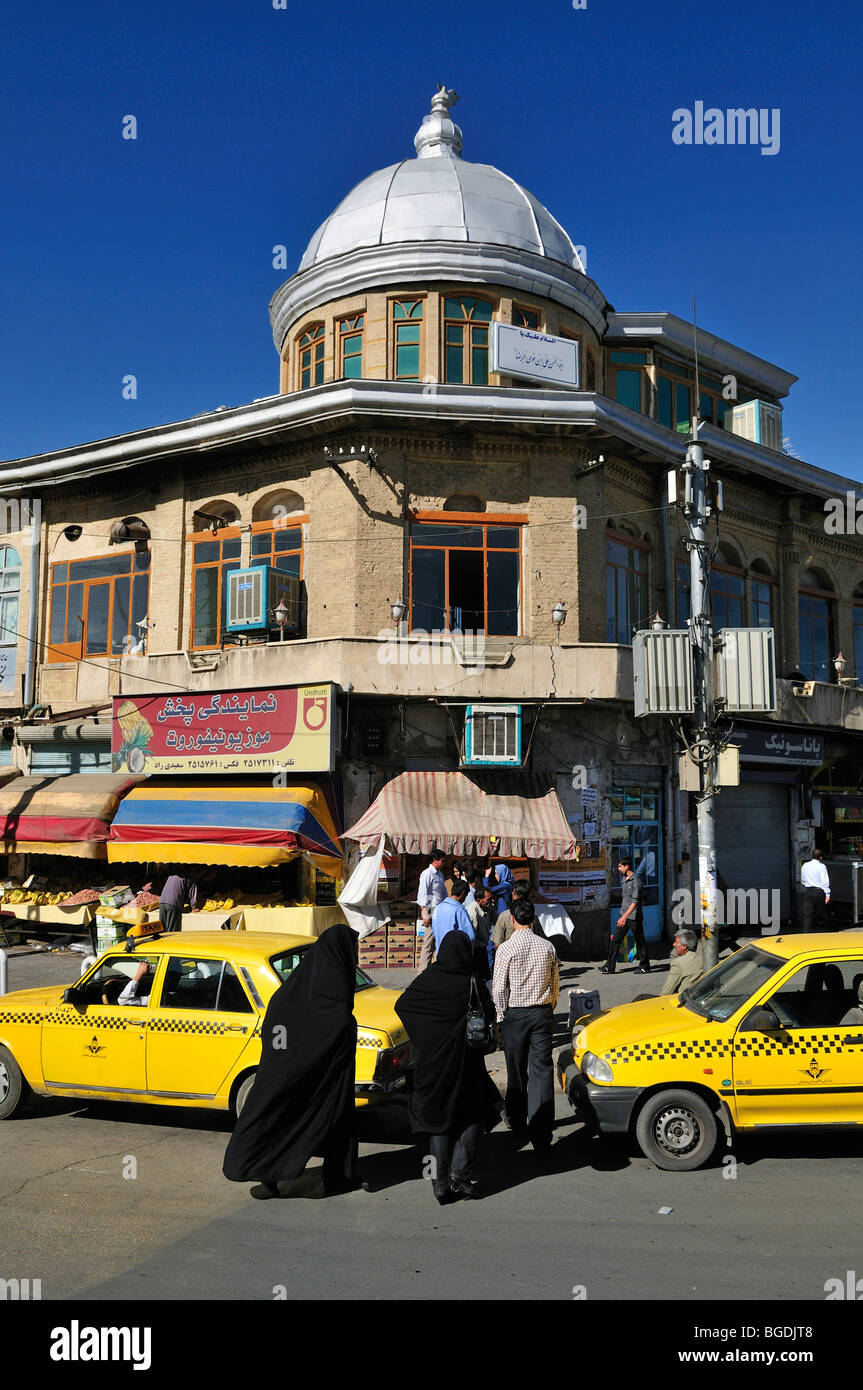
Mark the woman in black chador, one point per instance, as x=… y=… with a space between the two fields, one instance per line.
x=302 y=1101
x=454 y=1099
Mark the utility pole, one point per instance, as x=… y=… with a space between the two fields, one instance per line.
x=696 y=509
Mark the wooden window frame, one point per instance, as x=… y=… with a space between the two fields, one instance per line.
x=757 y=577
x=77 y=651
x=612 y=368
x=395 y=323
x=632 y=543
x=10 y=639
x=805 y=591
x=467 y=345
x=319 y=339
x=531 y=327
x=341 y=333
x=230 y=533
x=474 y=519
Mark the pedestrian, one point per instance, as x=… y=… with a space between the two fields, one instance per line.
x=503 y=926
x=431 y=892
x=459 y=870
x=685 y=966
x=178 y=890
x=454 y=1100
x=450 y=914
x=629 y=920
x=524 y=989
x=479 y=912
x=815 y=885
x=498 y=878
x=302 y=1100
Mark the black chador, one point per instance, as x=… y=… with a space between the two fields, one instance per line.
x=302 y=1101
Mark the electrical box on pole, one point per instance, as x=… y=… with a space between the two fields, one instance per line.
x=662 y=672
x=745 y=670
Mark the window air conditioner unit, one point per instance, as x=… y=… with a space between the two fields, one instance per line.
x=492 y=736
x=758 y=421
x=255 y=593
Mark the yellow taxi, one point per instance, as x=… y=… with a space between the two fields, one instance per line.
x=771 y=1038
x=187 y=1032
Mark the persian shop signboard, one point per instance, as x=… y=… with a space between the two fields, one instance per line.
x=287 y=729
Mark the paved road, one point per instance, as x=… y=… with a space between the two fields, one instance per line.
x=588 y=1216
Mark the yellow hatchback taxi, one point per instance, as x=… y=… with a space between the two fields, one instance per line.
x=191 y=1037
x=762 y=1041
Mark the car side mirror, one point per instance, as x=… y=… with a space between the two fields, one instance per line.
x=73 y=995
x=761 y=1020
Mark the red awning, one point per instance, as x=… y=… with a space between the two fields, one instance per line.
x=459 y=812
x=76 y=808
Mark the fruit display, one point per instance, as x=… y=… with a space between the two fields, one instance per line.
x=217 y=904
x=38 y=897
x=145 y=899
x=84 y=895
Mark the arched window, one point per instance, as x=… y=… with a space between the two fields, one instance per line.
x=858 y=633
x=466 y=324
x=815 y=625
x=215 y=552
x=626 y=585
x=762 y=588
x=406 y=338
x=10 y=593
x=277 y=531
x=310 y=346
x=351 y=346
x=727 y=589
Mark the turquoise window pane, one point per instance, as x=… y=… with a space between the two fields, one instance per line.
x=664 y=403
x=681 y=407
x=454 y=364
x=453 y=308
x=482 y=310
x=628 y=386
x=353 y=367
x=479 y=366
x=633 y=357
x=407 y=361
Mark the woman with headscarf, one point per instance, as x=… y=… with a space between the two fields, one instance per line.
x=302 y=1100
x=454 y=1099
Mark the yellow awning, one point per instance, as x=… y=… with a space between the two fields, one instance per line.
x=236 y=856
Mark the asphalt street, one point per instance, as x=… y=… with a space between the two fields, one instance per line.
x=115 y=1202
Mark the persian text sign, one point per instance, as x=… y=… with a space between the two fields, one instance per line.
x=540 y=356
x=290 y=728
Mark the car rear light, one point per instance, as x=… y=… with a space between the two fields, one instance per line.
x=392 y=1060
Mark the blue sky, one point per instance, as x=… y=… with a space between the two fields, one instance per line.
x=154 y=257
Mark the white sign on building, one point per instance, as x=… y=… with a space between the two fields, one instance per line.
x=539 y=356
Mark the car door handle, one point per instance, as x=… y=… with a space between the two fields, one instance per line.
x=851 y=1042
x=241 y=1028
x=142 y=1023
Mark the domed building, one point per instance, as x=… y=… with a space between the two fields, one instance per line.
x=433 y=545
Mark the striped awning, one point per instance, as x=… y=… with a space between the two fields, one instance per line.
x=241 y=821
x=39 y=812
x=460 y=812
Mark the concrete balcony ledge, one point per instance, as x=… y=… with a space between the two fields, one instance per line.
x=394 y=666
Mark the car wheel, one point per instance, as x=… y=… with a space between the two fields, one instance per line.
x=13 y=1086
x=677 y=1130
x=241 y=1095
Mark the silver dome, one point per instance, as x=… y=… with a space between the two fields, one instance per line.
x=440 y=197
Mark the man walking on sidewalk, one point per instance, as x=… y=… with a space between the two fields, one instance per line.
x=430 y=893
x=815 y=882
x=630 y=918
x=525 y=988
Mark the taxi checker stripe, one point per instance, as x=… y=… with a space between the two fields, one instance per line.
x=754 y=1045
x=646 y=1051
x=133 y=1017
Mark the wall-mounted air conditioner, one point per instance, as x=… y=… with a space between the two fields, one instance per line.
x=759 y=421
x=492 y=736
x=255 y=593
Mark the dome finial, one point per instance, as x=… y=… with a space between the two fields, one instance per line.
x=439 y=136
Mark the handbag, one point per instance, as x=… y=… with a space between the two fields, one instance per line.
x=481 y=1031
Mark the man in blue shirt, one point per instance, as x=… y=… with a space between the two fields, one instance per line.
x=451 y=914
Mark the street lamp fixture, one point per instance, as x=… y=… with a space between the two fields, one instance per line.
x=398 y=610
x=657 y=622
x=558 y=614
x=281 y=617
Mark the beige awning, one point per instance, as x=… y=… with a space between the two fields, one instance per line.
x=460 y=812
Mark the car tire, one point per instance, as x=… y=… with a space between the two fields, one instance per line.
x=677 y=1130
x=14 y=1089
x=241 y=1095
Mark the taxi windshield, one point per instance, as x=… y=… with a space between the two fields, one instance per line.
x=725 y=988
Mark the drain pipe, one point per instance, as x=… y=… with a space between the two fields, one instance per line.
x=32 y=616
x=4 y=973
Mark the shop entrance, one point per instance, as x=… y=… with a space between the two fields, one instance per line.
x=636 y=833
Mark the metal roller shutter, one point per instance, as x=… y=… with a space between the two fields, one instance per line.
x=753 y=846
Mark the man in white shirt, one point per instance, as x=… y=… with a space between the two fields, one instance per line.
x=815 y=886
x=430 y=893
x=525 y=988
